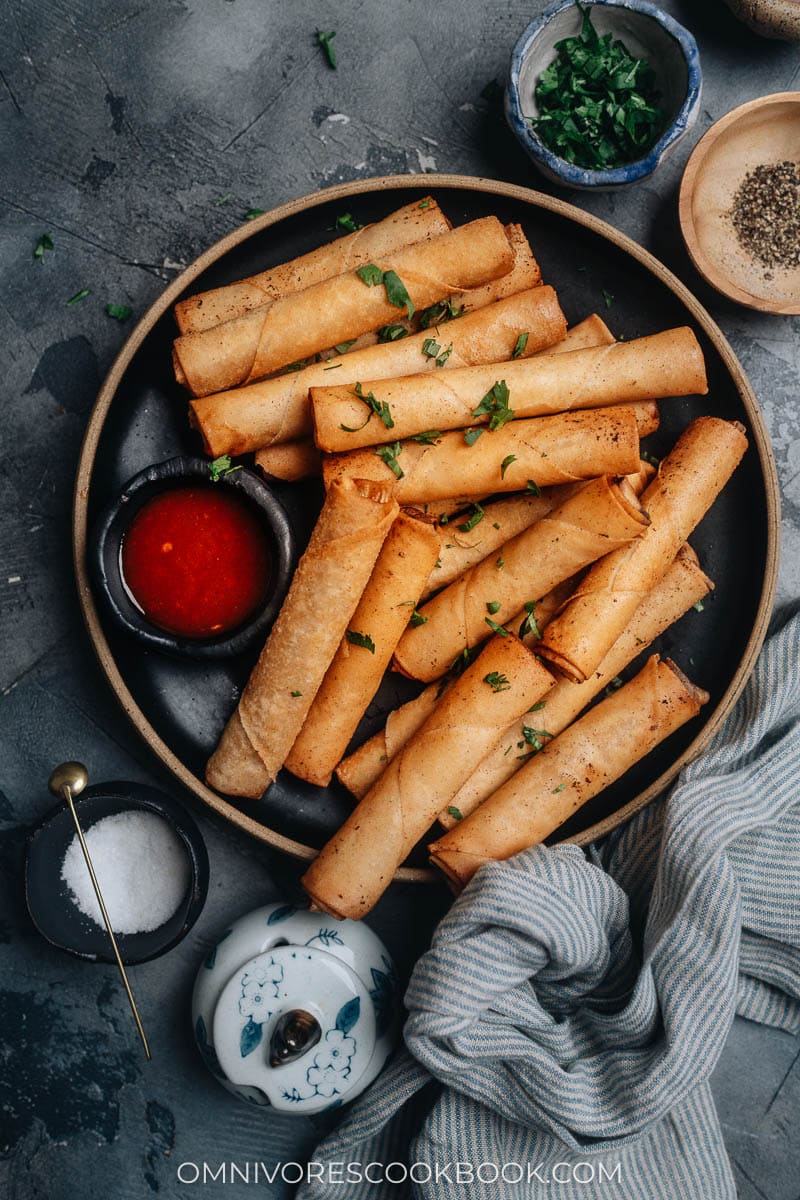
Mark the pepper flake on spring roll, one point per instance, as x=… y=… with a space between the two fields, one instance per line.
x=649 y=368
x=601 y=517
x=383 y=612
x=278 y=410
x=586 y=758
x=356 y=866
x=301 y=324
x=688 y=482
x=326 y=587
x=415 y=222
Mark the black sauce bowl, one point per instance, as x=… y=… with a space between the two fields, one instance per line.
x=104 y=557
x=50 y=903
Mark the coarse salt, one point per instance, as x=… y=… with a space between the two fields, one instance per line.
x=142 y=868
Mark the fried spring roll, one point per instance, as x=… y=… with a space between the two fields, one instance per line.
x=587 y=757
x=328 y=313
x=599 y=518
x=683 y=585
x=290 y=461
x=500 y=521
x=357 y=865
x=688 y=481
x=416 y=222
x=648 y=368
x=354 y=676
x=360 y=769
x=532 y=454
x=278 y=410
x=326 y=587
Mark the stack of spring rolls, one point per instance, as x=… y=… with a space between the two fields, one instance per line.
x=489 y=529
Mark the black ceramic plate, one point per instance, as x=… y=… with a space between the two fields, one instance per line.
x=140 y=418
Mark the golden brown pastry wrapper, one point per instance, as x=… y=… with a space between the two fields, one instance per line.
x=416 y=222
x=351 y=681
x=649 y=368
x=278 y=410
x=535 y=453
x=301 y=324
x=326 y=587
x=683 y=585
x=290 y=461
x=688 y=481
x=357 y=864
x=587 y=757
x=600 y=517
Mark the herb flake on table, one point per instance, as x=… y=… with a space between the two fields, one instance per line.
x=348 y=223
x=497 y=682
x=81 y=295
x=389 y=455
x=608 y=297
x=494 y=405
x=120 y=312
x=44 y=244
x=252 y=213
x=698 y=606
x=325 y=43
x=598 y=104
x=360 y=639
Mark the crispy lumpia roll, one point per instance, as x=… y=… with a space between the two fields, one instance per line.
x=532 y=454
x=326 y=587
x=602 y=516
x=360 y=769
x=290 y=461
x=408 y=225
x=649 y=368
x=688 y=481
x=587 y=757
x=328 y=313
x=591 y=331
x=278 y=410
x=357 y=864
x=354 y=676
x=483 y=530
x=684 y=585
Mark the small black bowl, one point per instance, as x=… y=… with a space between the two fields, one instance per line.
x=106 y=543
x=49 y=900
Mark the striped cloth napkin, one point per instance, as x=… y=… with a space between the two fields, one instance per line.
x=574 y=1007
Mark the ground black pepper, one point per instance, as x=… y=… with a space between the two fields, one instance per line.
x=766 y=214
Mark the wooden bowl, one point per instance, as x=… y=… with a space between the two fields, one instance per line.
x=763 y=131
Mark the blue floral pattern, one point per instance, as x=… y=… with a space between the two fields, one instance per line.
x=331 y=1064
x=258 y=988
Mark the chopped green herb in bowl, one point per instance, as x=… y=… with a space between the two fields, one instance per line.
x=600 y=90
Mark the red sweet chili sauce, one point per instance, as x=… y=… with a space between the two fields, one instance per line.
x=196 y=561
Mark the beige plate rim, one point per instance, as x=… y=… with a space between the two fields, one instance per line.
x=398 y=183
x=708 y=269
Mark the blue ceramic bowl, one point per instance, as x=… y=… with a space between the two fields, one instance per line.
x=648 y=33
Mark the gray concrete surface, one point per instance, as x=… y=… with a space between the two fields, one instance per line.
x=137 y=132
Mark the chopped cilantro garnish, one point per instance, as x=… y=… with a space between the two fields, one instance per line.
x=428 y=438
x=432 y=349
x=343 y=347
x=44 y=243
x=532 y=486
x=598 y=105
x=519 y=347
x=396 y=292
x=389 y=454
x=698 y=606
x=608 y=297
x=455 y=813
x=379 y=408
x=120 y=312
x=443 y=310
x=529 y=622
x=492 y=607
x=495 y=628
x=346 y=222
x=560 y=788
x=477 y=516
x=501 y=562
x=495 y=405
x=370 y=274
x=360 y=639
x=537 y=707
x=325 y=43
x=81 y=295
x=296 y=693
x=425 y=203
x=497 y=682
x=221 y=466
x=506 y=463
x=392 y=333
x=334 y=367
x=614 y=685
x=471 y=436
x=417 y=619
